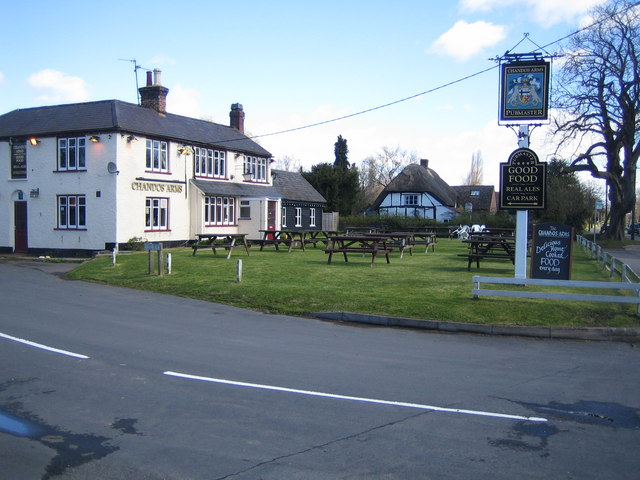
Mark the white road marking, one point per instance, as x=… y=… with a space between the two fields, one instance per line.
x=44 y=347
x=356 y=399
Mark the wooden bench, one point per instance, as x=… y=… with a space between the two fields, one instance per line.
x=358 y=244
x=226 y=241
x=344 y=251
x=476 y=257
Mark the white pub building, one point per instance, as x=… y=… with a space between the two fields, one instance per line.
x=84 y=177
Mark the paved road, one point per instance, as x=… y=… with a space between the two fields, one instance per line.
x=170 y=388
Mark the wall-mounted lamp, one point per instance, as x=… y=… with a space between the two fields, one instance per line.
x=34 y=193
x=132 y=138
x=34 y=141
x=184 y=150
x=94 y=139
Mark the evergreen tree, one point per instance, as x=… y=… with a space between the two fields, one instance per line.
x=339 y=183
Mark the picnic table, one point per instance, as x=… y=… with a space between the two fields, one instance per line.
x=428 y=239
x=360 y=230
x=488 y=246
x=291 y=237
x=397 y=240
x=228 y=241
x=314 y=236
x=373 y=244
x=278 y=237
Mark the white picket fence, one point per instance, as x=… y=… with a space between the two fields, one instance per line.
x=629 y=280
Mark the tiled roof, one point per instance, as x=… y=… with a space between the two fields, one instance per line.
x=293 y=186
x=118 y=116
x=234 y=189
x=480 y=201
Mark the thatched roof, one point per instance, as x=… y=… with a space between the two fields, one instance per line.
x=416 y=178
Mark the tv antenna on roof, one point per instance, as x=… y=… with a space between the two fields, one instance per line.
x=136 y=67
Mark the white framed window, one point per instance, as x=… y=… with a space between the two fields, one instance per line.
x=411 y=199
x=219 y=211
x=71 y=154
x=298 y=216
x=312 y=217
x=284 y=217
x=475 y=193
x=72 y=212
x=245 y=209
x=257 y=167
x=157 y=213
x=157 y=159
x=209 y=163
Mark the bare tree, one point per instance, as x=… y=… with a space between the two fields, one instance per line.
x=290 y=164
x=475 y=175
x=599 y=95
x=376 y=171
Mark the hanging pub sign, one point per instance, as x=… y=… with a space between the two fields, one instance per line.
x=524 y=90
x=523 y=181
x=19 y=159
x=552 y=252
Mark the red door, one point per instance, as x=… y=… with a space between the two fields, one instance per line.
x=271 y=216
x=20 y=222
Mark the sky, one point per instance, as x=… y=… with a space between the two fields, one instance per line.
x=292 y=64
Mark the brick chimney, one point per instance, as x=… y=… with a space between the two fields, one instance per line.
x=236 y=117
x=424 y=163
x=154 y=95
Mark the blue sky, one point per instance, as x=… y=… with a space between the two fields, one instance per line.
x=293 y=63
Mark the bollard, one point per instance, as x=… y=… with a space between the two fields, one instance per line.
x=239 y=271
x=113 y=256
x=168 y=263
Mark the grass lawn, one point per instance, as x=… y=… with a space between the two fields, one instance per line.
x=434 y=286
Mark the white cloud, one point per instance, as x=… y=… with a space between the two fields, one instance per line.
x=464 y=40
x=483 y=5
x=185 y=101
x=2 y=77
x=544 y=12
x=551 y=12
x=58 y=87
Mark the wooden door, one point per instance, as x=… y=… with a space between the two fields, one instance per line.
x=271 y=215
x=20 y=224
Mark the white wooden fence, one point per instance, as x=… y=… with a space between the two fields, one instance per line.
x=629 y=281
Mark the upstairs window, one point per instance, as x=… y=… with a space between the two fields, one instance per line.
x=475 y=193
x=257 y=167
x=209 y=163
x=71 y=154
x=157 y=159
x=411 y=199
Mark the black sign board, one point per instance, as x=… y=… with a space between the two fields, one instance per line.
x=524 y=92
x=523 y=184
x=552 y=251
x=19 y=159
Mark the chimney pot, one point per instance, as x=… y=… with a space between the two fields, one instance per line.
x=424 y=162
x=236 y=117
x=154 y=96
x=156 y=76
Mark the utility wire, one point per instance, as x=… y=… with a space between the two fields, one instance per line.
x=395 y=102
